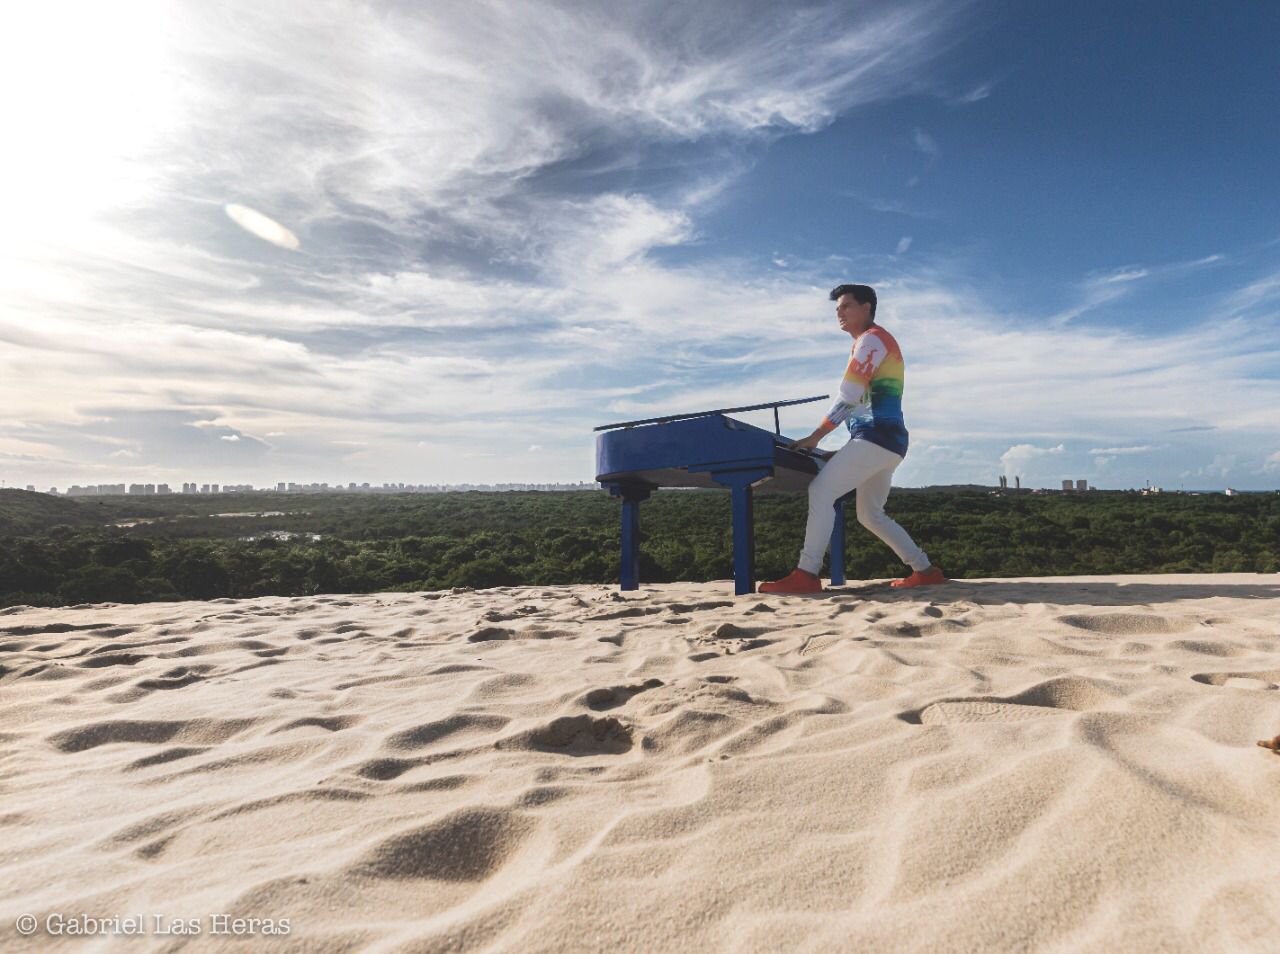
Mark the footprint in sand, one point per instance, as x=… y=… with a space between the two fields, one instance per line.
x=918 y=630
x=1128 y=624
x=498 y=616
x=500 y=633
x=611 y=697
x=731 y=638
x=627 y=612
x=816 y=644
x=575 y=735
x=1052 y=697
x=1265 y=679
x=683 y=608
x=950 y=712
x=466 y=845
x=175 y=678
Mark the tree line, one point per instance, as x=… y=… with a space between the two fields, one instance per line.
x=416 y=542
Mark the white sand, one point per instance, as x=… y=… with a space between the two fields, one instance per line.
x=1052 y=765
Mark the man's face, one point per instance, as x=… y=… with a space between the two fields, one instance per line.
x=854 y=318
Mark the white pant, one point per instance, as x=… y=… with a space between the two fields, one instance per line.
x=869 y=468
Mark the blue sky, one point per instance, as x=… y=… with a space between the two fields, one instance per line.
x=440 y=242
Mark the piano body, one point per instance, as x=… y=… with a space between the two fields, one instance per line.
x=707 y=449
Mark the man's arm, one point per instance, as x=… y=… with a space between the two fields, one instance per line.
x=813 y=440
x=868 y=352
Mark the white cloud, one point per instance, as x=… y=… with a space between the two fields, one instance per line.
x=978 y=93
x=1115 y=451
x=1022 y=460
x=1130 y=274
x=1222 y=465
x=925 y=143
x=904 y=243
x=462 y=278
x=1103 y=288
x=1260 y=293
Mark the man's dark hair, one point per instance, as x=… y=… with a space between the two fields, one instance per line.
x=861 y=294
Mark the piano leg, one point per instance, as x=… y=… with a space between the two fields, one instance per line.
x=837 y=544
x=629 y=574
x=632 y=495
x=744 y=525
x=744 y=540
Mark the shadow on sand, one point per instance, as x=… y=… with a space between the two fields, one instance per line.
x=1063 y=592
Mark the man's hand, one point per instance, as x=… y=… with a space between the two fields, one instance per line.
x=808 y=443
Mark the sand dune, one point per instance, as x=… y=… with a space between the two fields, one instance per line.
x=1022 y=765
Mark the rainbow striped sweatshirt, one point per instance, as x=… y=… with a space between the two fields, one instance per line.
x=870 y=398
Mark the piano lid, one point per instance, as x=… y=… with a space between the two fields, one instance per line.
x=723 y=410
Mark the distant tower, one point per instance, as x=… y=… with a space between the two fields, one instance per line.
x=1017 y=482
x=1082 y=485
x=1067 y=485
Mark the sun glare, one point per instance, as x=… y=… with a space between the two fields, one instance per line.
x=87 y=95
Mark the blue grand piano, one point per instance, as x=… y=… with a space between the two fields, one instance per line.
x=707 y=449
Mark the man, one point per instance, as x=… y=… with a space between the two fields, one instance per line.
x=870 y=400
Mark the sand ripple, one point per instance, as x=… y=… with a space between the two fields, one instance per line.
x=1062 y=765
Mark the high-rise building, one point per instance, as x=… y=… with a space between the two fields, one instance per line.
x=1082 y=485
x=1068 y=485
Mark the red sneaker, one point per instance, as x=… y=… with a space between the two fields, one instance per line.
x=797 y=581
x=930 y=577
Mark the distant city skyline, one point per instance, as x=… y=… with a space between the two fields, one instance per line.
x=190 y=488
x=1068 y=485
x=446 y=240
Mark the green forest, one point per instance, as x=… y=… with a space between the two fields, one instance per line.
x=58 y=551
